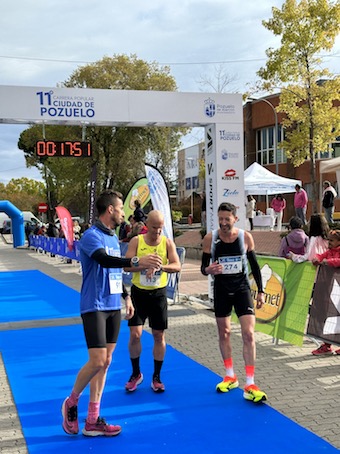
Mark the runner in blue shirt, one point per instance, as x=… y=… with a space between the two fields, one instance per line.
x=100 y=307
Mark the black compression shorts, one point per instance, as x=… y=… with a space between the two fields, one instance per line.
x=241 y=300
x=151 y=304
x=101 y=328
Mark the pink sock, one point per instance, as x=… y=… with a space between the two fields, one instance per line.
x=74 y=398
x=93 y=412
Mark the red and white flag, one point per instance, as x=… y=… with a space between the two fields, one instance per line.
x=66 y=225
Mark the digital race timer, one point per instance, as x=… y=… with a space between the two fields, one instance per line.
x=50 y=148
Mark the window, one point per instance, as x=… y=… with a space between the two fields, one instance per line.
x=265 y=146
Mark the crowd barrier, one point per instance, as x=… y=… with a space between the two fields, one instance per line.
x=58 y=246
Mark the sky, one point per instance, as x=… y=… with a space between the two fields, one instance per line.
x=43 y=42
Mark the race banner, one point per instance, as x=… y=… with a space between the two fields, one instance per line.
x=66 y=225
x=324 y=320
x=139 y=191
x=288 y=288
x=160 y=197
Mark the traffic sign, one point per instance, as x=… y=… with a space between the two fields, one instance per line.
x=42 y=207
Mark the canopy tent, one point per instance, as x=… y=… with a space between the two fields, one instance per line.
x=260 y=181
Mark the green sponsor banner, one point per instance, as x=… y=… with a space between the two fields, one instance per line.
x=140 y=191
x=288 y=288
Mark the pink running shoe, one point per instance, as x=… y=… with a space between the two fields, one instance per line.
x=70 y=417
x=133 y=382
x=324 y=349
x=157 y=385
x=101 y=428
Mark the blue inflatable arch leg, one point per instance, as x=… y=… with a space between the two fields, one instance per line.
x=17 y=222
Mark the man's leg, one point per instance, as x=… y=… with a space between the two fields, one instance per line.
x=224 y=337
x=159 y=348
x=251 y=391
x=135 y=350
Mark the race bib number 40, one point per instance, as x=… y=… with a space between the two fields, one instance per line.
x=231 y=265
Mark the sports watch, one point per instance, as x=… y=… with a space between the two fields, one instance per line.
x=135 y=261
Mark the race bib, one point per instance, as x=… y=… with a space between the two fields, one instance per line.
x=153 y=281
x=231 y=265
x=116 y=283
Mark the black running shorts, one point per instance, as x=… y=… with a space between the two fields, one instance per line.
x=151 y=304
x=101 y=328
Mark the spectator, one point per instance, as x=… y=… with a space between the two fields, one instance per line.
x=278 y=204
x=318 y=239
x=300 y=203
x=76 y=230
x=137 y=228
x=328 y=197
x=296 y=241
x=139 y=214
x=124 y=229
x=329 y=258
x=250 y=210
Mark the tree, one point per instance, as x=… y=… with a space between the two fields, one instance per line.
x=24 y=193
x=310 y=94
x=119 y=152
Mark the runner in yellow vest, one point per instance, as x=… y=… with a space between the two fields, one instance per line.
x=148 y=293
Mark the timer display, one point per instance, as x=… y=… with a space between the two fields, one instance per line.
x=74 y=149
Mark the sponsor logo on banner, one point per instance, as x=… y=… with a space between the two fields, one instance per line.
x=209 y=139
x=230 y=192
x=61 y=106
x=275 y=295
x=225 y=154
x=211 y=108
x=230 y=174
x=229 y=135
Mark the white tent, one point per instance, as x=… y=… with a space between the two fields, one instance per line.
x=260 y=181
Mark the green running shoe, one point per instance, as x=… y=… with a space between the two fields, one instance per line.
x=227 y=384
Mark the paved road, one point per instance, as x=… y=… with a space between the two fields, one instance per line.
x=302 y=387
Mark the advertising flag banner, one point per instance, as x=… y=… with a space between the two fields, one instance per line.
x=66 y=225
x=92 y=193
x=139 y=191
x=324 y=320
x=160 y=197
x=288 y=288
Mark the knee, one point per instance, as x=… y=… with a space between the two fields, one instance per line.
x=248 y=336
x=225 y=333
x=135 y=336
x=159 y=337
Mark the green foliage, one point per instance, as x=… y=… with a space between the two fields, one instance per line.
x=24 y=193
x=306 y=28
x=176 y=215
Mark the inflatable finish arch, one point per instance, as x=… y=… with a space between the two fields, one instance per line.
x=17 y=222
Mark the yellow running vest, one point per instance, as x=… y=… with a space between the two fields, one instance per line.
x=160 y=278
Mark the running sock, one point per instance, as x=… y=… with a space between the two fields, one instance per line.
x=229 y=369
x=250 y=371
x=93 y=412
x=157 y=368
x=74 y=398
x=135 y=366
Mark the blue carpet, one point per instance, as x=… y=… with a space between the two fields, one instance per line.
x=32 y=295
x=190 y=417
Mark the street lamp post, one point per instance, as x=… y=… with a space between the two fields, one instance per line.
x=276 y=130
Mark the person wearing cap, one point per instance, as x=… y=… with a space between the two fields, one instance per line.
x=328 y=196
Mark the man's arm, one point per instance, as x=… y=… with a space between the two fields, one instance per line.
x=255 y=268
x=174 y=264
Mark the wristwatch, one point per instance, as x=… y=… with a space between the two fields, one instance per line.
x=135 y=261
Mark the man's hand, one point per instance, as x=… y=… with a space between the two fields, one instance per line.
x=260 y=300
x=129 y=309
x=214 y=268
x=150 y=261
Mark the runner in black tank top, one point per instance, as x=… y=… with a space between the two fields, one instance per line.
x=226 y=252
